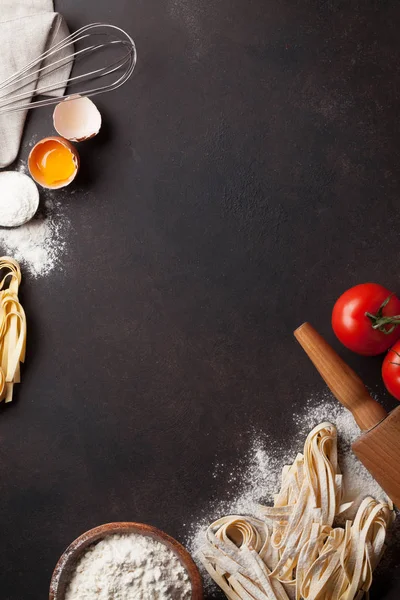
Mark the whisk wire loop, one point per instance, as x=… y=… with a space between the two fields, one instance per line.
x=19 y=91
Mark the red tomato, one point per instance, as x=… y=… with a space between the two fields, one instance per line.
x=366 y=318
x=391 y=371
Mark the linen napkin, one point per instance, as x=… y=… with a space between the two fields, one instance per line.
x=27 y=29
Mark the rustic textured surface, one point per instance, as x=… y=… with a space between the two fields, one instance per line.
x=244 y=177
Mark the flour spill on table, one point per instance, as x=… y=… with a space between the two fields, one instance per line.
x=40 y=244
x=358 y=482
x=256 y=477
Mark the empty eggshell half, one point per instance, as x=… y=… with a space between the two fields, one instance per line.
x=77 y=119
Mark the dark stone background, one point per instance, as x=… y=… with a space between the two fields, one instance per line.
x=244 y=177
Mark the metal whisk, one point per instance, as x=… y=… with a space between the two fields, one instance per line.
x=42 y=75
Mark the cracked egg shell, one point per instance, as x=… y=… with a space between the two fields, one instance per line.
x=77 y=119
x=53 y=162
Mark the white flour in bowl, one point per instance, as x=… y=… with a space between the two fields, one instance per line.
x=129 y=567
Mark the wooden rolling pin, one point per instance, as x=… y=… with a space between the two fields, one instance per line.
x=378 y=447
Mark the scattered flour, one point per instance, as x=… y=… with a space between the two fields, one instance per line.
x=256 y=478
x=21 y=167
x=124 y=567
x=40 y=243
x=358 y=482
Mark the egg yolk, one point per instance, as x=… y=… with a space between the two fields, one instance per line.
x=55 y=162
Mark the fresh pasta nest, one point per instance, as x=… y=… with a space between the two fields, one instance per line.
x=12 y=328
x=296 y=552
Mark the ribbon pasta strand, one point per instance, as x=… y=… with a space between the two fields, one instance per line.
x=12 y=328
x=295 y=552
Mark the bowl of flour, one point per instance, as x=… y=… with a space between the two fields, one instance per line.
x=125 y=561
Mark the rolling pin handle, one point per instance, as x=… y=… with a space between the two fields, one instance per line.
x=343 y=382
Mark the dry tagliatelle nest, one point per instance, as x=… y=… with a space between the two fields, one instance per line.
x=12 y=328
x=296 y=552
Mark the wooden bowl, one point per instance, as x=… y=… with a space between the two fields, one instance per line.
x=66 y=565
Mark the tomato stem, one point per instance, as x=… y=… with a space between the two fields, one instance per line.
x=380 y=321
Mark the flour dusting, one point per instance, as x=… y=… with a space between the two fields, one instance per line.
x=40 y=244
x=256 y=477
x=358 y=482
